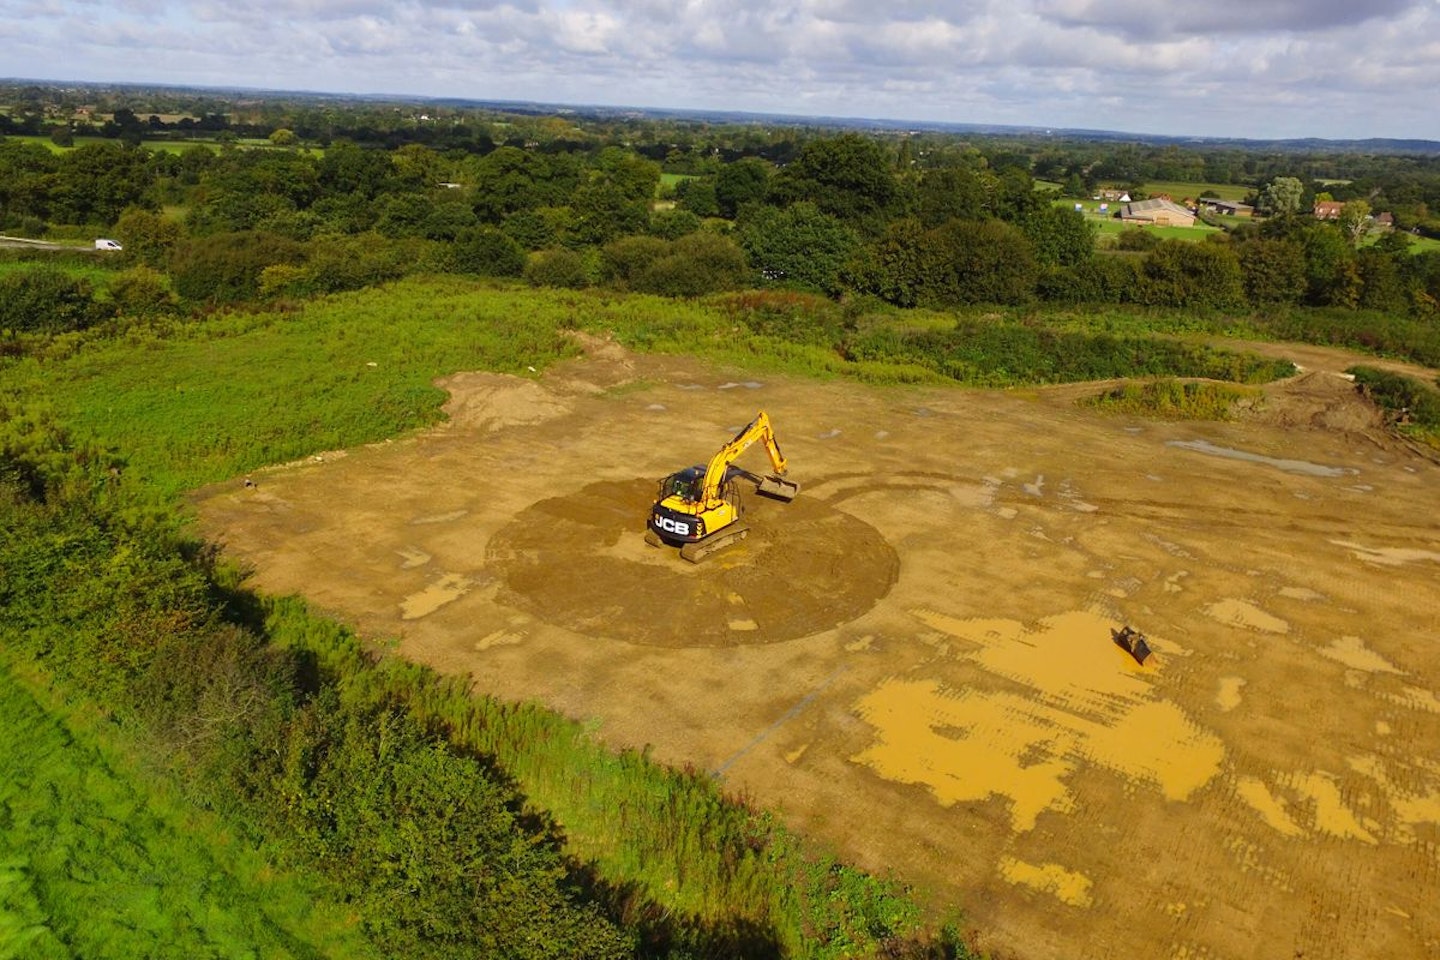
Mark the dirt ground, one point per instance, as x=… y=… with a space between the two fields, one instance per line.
x=913 y=661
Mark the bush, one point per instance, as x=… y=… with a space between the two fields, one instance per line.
x=1170 y=399
x=622 y=261
x=1405 y=400
x=558 y=268
x=1136 y=238
x=1101 y=279
x=798 y=246
x=1003 y=353
x=674 y=224
x=697 y=264
x=1273 y=271
x=141 y=292
x=486 y=252
x=787 y=315
x=1195 y=275
x=46 y=300
x=531 y=229
x=226 y=267
x=147 y=237
x=976 y=261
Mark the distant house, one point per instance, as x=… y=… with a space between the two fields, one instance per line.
x=1157 y=213
x=1385 y=221
x=1226 y=208
x=1117 y=195
x=1327 y=209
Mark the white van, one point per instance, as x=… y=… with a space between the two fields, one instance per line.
x=103 y=244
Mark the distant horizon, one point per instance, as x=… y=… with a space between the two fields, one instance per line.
x=682 y=111
x=1227 y=69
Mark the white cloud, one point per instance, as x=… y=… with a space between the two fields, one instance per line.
x=1235 y=67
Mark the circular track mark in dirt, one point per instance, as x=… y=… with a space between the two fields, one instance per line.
x=580 y=561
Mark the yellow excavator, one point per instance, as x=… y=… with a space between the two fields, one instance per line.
x=699 y=507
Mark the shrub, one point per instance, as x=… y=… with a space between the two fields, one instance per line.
x=1180 y=274
x=674 y=224
x=1002 y=353
x=622 y=261
x=531 y=229
x=1136 y=238
x=1101 y=279
x=558 y=268
x=798 y=246
x=1170 y=399
x=1406 y=400
x=147 y=237
x=226 y=267
x=486 y=252
x=1273 y=271
x=697 y=264
x=141 y=292
x=786 y=315
x=46 y=300
x=976 y=261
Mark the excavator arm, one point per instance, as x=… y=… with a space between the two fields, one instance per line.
x=759 y=430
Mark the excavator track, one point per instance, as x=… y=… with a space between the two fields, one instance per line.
x=700 y=549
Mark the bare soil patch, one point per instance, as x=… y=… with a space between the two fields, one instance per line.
x=913 y=660
x=734 y=598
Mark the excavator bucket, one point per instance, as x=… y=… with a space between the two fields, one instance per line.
x=777 y=488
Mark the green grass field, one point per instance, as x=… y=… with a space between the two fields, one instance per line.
x=1418 y=244
x=1107 y=225
x=97 y=275
x=161 y=146
x=201 y=406
x=95 y=863
x=1178 y=190
x=1111 y=226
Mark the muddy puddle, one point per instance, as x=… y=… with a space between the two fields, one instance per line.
x=1083 y=701
x=1289 y=466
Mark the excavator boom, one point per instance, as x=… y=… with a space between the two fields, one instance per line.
x=758 y=430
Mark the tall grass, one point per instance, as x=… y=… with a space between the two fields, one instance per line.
x=1169 y=399
x=1412 y=406
x=97 y=861
x=689 y=860
x=196 y=403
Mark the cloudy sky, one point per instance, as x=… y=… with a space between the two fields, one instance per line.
x=1251 y=68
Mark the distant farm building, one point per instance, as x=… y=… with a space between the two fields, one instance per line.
x=1118 y=195
x=1226 y=208
x=1157 y=213
x=1328 y=209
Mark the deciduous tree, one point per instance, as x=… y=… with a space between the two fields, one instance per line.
x=800 y=245
x=1281 y=197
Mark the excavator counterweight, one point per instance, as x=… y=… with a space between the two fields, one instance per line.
x=699 y=507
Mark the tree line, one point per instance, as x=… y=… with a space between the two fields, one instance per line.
x=848 y=215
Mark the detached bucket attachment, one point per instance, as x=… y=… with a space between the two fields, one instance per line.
x=1132 y=641
x=777 y=488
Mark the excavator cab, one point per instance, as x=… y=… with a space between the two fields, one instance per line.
x=687 y=484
